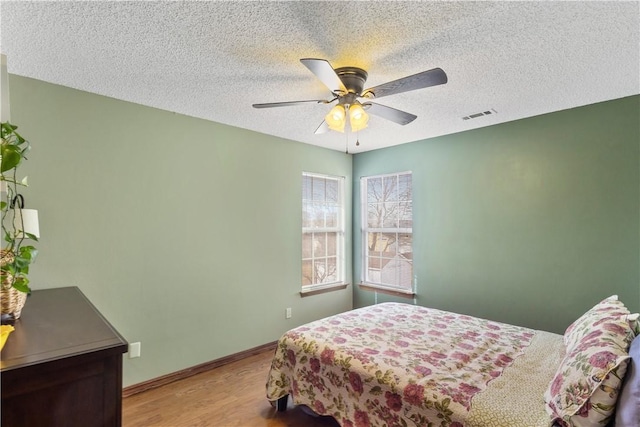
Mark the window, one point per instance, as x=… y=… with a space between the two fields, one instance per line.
x=322 y=231
x=387 y=232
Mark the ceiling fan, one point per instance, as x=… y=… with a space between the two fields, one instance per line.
x=346 y=85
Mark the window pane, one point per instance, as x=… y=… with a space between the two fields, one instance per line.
x=404 y=187
x=318 y=216
x=332 y=244
x=405 y=275
x=390 y=219
x=397 y=271
x=374 y=190
x=390 y=188
x=319 y=245
x=307 y=272
x=306 y=187
x=373 y=269
x=320 y=270
x=318 y=189
x=405 y=246
x=307 y=245
x=374 y=215
x=332 y=216
x=332 y=191
x=388 y=245
x=332 y=270
x=374 y=243
x=405 y=215
x=307 y=215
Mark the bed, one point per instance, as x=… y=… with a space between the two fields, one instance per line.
x=396 y=364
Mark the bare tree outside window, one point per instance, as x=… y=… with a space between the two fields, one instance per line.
x=322 y=230
x=387 y=230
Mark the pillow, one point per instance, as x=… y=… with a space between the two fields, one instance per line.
x=585 y=388
x=609 y=308
x=583 y=394
x=628 y=409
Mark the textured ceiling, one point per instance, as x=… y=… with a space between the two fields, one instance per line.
x=213 y=60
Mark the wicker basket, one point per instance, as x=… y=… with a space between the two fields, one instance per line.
x=11 y=299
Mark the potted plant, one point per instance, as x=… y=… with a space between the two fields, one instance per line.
x=16 y=254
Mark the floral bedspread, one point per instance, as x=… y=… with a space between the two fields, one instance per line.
x=393 y=364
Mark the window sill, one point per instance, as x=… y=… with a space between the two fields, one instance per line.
x=322 y=289
x=388 y=291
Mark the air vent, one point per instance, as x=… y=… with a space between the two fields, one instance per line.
x=476 y=115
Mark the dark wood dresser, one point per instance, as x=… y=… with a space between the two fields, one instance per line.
x=62 y=366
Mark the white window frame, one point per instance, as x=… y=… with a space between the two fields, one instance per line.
x=367 y=281
x=339 y=229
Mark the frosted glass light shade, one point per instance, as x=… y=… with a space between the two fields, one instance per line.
x=29 y=223
x=336 y=119
x=357 y=117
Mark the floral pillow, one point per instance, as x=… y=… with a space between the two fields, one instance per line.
x=608 y=309
x=586 y=385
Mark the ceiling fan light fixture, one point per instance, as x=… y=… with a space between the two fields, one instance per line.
x=358 y=118
x=346 y=85
x=336 y=119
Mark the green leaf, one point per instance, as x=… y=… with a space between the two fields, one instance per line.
x=22 y=263
x=26 y=256
x=22 y=284
x=10 y=158
x=19 y=137
x=9 y=269
x=9 y=127
x=9 y=130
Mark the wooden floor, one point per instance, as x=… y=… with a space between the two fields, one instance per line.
x=230 y=396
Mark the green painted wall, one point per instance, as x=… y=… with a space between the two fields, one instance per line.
x=530 y=222
x=184 y=233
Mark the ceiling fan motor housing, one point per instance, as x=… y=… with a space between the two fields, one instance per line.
x=353 y=78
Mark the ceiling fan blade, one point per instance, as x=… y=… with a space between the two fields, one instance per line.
x=397 y=116
x=288 y=103
x=417 y=81
x=325 y=72
x=323 y=128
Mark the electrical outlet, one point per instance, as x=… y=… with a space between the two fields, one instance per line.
x=287 y=314
x=134 y=350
